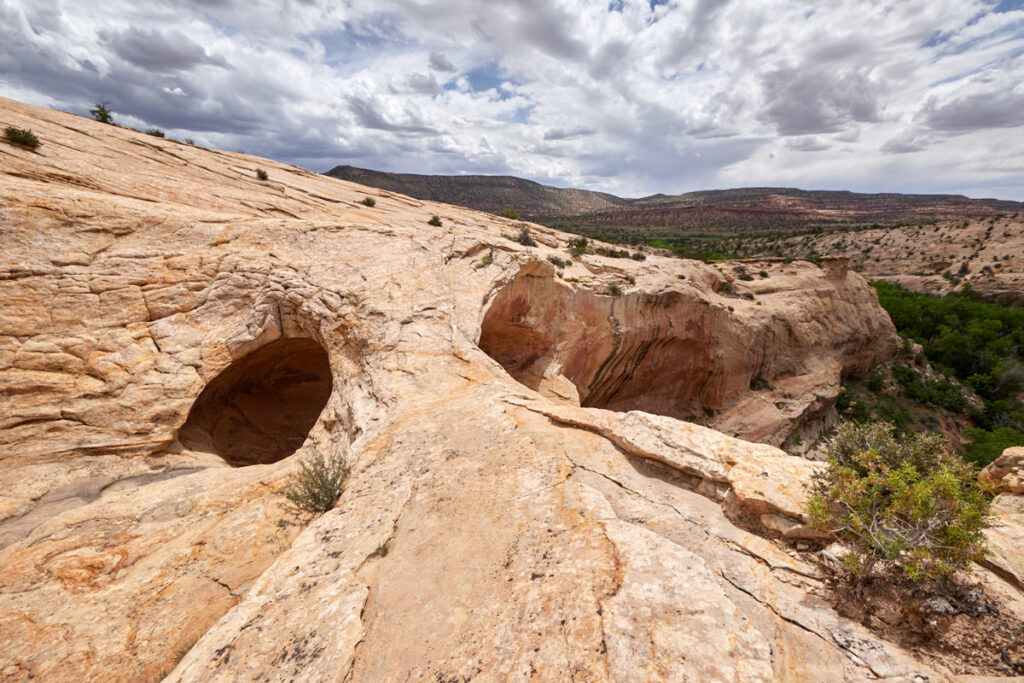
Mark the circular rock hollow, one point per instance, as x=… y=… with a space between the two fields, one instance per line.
x=260 y=408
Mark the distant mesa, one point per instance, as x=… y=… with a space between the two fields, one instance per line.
x=751 y=209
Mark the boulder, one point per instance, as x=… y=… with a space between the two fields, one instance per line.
x=1006 y=473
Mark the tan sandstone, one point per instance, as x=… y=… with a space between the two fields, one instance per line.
x=525 y=503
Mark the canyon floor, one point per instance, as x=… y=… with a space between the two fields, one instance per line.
x=563 y=467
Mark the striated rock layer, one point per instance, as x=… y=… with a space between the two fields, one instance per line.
x=172 y=328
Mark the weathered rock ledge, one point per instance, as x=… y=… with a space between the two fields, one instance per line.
x=512 y=514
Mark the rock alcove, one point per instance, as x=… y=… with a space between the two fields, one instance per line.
x=260 y=408
x=648 y=352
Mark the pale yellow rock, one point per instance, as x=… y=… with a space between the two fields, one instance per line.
x=488 y=531
x=1006 y=473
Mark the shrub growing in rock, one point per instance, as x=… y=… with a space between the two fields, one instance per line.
x=101 y=112
x=525 y=238
x=316 y=487
x=22 y=137
x=261 y=174
x=899 y=504
x=155 y=132
x=435 y=221
x=369 y=201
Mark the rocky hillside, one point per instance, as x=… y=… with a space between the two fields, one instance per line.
x=493 y=194
x=985 y=255
x=742 y=211
x=177 y=333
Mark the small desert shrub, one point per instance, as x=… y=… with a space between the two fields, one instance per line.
x=614 y=290
x=261 y=174
x=511 y=213
x=580 y=246
x=435 y=221
x=763 y=273
x=101 y=112
x=559 y=262
x=899 y=503
x=19 y=136
x=525 y=238
x=316 y=487
x=155 y=132
x=369 y=201
x=638 y=256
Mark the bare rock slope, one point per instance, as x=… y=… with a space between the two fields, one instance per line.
x=986 y=255
x=525 y=504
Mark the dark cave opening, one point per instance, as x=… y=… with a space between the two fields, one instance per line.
x=260 y=409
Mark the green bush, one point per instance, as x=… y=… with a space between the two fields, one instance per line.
x=155 y=132
x=902 y=504
x=316 y=487
x=525 y=238
x=261 y=174
x=19 y=136
x=511 y=214
x=978 y=343
x=578 y=247
x=369 y=201
x=435 y=221
x=101 y=112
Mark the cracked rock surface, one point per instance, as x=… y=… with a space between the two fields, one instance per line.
x=514 y=517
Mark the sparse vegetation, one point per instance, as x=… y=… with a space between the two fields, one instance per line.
x=525 y=238
x=899 y=504
x=435 y=221
x=316 y=487
x=101 y=112
x=369 y=201
x=261 y=174
x=511 y=213
x=155 y=132
x=614 y=290
x=21 y=137
x=559 y=262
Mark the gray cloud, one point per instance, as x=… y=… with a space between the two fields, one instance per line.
x=976 y=111
x=369 y=112
x=810 y=143
x=424 y=84
x=438 y=62
x=905 y=143
x=568 y=133
x=802 y=102
x=160 y=52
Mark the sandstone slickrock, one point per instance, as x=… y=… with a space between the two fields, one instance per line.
x=1007 y=471
x=491 y=529
x=1006 y=536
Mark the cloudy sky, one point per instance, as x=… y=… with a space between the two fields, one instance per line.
x=627 y=96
